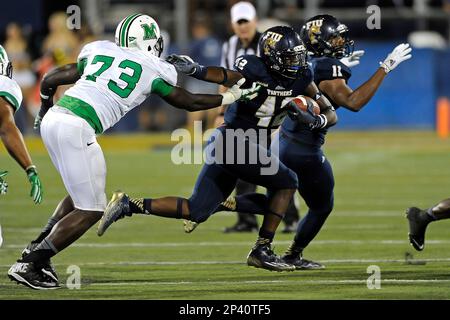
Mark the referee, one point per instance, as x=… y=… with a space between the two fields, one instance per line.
x=245 y=41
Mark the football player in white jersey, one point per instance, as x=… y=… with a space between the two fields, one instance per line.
x=111 y=79
x=10 y=101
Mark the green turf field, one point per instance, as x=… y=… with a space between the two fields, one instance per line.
x=377 y=175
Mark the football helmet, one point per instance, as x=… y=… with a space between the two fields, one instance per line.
x=283 y=51
x=5 y=65
x=324 y=35
x=141 y=32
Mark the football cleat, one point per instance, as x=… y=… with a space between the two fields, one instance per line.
x=45 y=266
x=262 y=256
x=418 y=222
x=189 y=226
x=302 y=264
x=28 y=275
x=117 y=208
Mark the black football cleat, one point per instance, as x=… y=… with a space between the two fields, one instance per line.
x=28 y=275
x=117 y=208
x=241 y=227
x=262 y=256
x=45 y=266
x=302 y=264
x=418 y=222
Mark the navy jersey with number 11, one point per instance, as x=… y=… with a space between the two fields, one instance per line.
x=267 y=109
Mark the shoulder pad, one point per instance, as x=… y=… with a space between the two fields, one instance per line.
x=251 y=67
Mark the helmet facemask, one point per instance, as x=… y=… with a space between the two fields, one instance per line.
x=338 y=45
x=290 y=62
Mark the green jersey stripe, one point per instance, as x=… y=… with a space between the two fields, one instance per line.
x=83 y=110
x=11 y=99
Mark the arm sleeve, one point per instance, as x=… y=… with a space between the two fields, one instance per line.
x=161 y=87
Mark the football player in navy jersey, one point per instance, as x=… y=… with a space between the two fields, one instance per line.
x=283 y=73
x=299 y=147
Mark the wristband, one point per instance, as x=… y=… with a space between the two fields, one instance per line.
x=200 y=72
x=225 y=76
x=30 y=168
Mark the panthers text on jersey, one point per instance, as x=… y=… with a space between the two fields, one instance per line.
x=324 y=68
x=113 y=81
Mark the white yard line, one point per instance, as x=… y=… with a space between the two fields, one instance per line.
x=297 y=282
x=240 y=262
x=226 y=243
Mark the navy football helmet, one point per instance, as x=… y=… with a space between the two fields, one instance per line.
x=324 y=35
x=283 y=51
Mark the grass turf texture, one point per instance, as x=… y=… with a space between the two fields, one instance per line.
x=377 y=175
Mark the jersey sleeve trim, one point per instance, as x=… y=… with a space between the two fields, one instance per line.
x=161 y=87
x=11 y=99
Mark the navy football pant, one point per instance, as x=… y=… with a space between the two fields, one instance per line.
x=316 y=184
x=218 y=177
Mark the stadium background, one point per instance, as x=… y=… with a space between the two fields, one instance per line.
x=386 y=157
x=198 y=28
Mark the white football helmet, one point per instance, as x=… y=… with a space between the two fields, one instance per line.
x=141 y=32
x=5 y=64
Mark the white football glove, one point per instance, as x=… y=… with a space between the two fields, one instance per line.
x=353 y=59
x=398 y=55
x=236 y=93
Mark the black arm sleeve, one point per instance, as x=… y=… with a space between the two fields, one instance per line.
x=66 y=74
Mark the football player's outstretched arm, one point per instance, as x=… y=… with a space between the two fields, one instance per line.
x=342 y=94
x=63 y=75
x=183 y=99
x=327 y=112
x=13 y=141
x=219 y=75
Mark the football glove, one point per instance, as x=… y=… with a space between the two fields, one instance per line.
x=397 y=56
x=236 y=93
x=307 y=117
x=353 y=59
x=183 y=64
x=36 y=186
x=3 y=184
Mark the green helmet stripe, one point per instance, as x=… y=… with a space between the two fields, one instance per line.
x=128 y=28
x=124 y=27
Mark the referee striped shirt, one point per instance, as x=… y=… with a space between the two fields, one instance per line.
x=234 y=48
